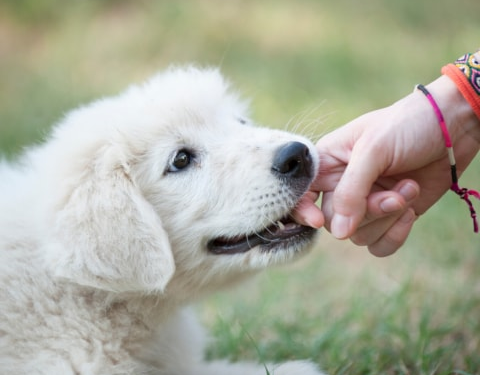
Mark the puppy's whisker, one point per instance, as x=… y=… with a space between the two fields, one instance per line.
x=268 y=218
x=295 y=120
x=307 y=122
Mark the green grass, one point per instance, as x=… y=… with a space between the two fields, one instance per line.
x=414 y=313
x=315 y=64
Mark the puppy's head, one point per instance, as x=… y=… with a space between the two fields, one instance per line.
x=169 y=186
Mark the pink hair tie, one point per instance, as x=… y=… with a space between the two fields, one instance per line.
x=464 y=193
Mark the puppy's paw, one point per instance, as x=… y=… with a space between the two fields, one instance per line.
x=296 y=368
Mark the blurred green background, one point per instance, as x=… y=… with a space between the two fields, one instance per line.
x=317 y=63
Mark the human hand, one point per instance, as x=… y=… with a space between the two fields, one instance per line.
x=388 y=219
x=385 y=168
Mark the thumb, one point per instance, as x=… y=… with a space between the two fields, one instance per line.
x=366 y=164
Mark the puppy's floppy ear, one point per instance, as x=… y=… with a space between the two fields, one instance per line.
x=106 y=234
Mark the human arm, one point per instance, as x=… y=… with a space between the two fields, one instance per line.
x=372 y=158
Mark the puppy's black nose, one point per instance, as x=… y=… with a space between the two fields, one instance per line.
x=293 y=160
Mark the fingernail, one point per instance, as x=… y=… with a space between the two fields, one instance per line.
x=313 y=220
x=313 y=223
x=340 y=226
x=408 y=191
x=390 y=205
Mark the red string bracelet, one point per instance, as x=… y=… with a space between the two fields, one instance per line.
x=463 y=193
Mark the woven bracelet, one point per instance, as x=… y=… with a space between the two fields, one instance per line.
x=465 y=72
x=463 y=193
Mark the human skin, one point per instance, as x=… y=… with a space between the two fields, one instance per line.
x=382 y=170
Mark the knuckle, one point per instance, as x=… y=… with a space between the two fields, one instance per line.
x=360 y=238
x=391 y=241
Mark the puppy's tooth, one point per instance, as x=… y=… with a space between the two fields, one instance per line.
x=280 y=225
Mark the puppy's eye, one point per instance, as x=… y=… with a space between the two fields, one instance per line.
x=181 y=160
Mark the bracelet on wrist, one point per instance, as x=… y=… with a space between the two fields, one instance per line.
x=463 y=193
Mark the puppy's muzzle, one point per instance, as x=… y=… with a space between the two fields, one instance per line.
x=294 y=166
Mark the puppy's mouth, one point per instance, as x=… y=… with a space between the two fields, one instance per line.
x=282 y=234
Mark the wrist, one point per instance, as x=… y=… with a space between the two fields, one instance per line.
x=459 y=116
x=464 y=121
x=461 y=121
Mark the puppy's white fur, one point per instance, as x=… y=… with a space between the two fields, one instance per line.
x=103 y=242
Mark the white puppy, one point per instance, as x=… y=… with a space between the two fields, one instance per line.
x=134 y=207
